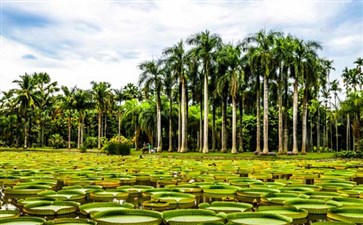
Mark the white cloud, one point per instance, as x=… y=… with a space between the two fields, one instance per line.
x=105 y=40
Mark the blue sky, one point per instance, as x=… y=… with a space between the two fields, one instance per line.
x=77 y=42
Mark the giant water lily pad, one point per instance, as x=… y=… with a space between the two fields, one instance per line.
x=128 y=216
x=23 y=221
x=9 y=214
x=103 y=206
x=226 y=207
x=291 y=212
x=258 y=219
x=313 y=206
x=70 y=221
x=346 y=214
x=51 y=208
x=191 y=216
x=109 y=194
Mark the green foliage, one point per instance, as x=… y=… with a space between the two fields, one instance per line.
x=118 y=145
x=83 y=149
x=350 y=154
x=56 y=141
x=90 y=142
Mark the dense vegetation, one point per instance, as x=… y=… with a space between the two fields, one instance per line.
x=201 y=95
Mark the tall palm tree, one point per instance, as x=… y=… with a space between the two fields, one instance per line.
x=101 y=94
x=27 y=97
x=67 y=105
x=119 y=97
x=132 y=110
x=152 y=77
x=205 y=46
x=46 y=89
x=176 y=58
x=262 y=44
x=230 y=57
x=310 y=75
x=336 y=89
x=82 y=102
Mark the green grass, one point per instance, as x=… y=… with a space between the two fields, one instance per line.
x=199 y=155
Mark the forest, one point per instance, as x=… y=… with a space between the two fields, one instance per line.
x=269 y=92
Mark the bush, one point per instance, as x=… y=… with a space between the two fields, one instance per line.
x=83 y=149
x=56 y=141
x=91 y=142
x=118 y=146
x=350 y=154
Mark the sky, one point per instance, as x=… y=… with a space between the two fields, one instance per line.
x=79 y=41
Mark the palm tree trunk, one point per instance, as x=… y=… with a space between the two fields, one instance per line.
x=213 y=127
x=336 y=136
x=304 y=123
x=179 y=125
x=82 y=129
x=318 y=131
x=348 y=133
x=69 y=132
x=234 y=123
x=99 y=129
x=25 y=133
x=265 y=115
x=105 y=126
x=136 y=134
x=205 y=127
x=201 y=128
x=281 y=138
x=258 y=122
x=170 y=125
x=119 y=125
x=79 y=131
x=183 y=118
x=158 y=123
x=286 y=134
x=311 y=133
x=241 y=123
x=224 y=136
x=294 y=126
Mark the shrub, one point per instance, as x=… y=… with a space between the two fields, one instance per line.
x=91 y=142
x=56 y=141
x=118 y=145
x=83 y=149
x=350 y=154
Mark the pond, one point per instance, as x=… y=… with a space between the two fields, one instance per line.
x=57 y=185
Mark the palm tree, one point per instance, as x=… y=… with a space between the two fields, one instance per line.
x=82 y=102
x=336 y=89
x=46 y=90
x=67 y=104
x=27 y=97
x=152 y=77
x=101 y=93
x=229 y=56
x=205 y=46
x=176 y=58
x=132 y=110
x=119 y=97
x=262 y=44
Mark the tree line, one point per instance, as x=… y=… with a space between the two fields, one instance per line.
x=269 y=92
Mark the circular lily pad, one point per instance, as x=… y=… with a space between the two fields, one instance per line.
x=128 y=216
x=23 y=221
x=347 y=214
x=313 y=206
x=221 y=189
x=64 y=195
x=258 y=219
x=191 y=216
x=9 y=214
x=226 y=207
x=109 y=195
x=291 y=212
x=280 y=198
x=51 y=208
x=103 y=206
x=70 y=221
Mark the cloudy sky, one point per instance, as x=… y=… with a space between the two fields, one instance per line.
x=79 y=41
